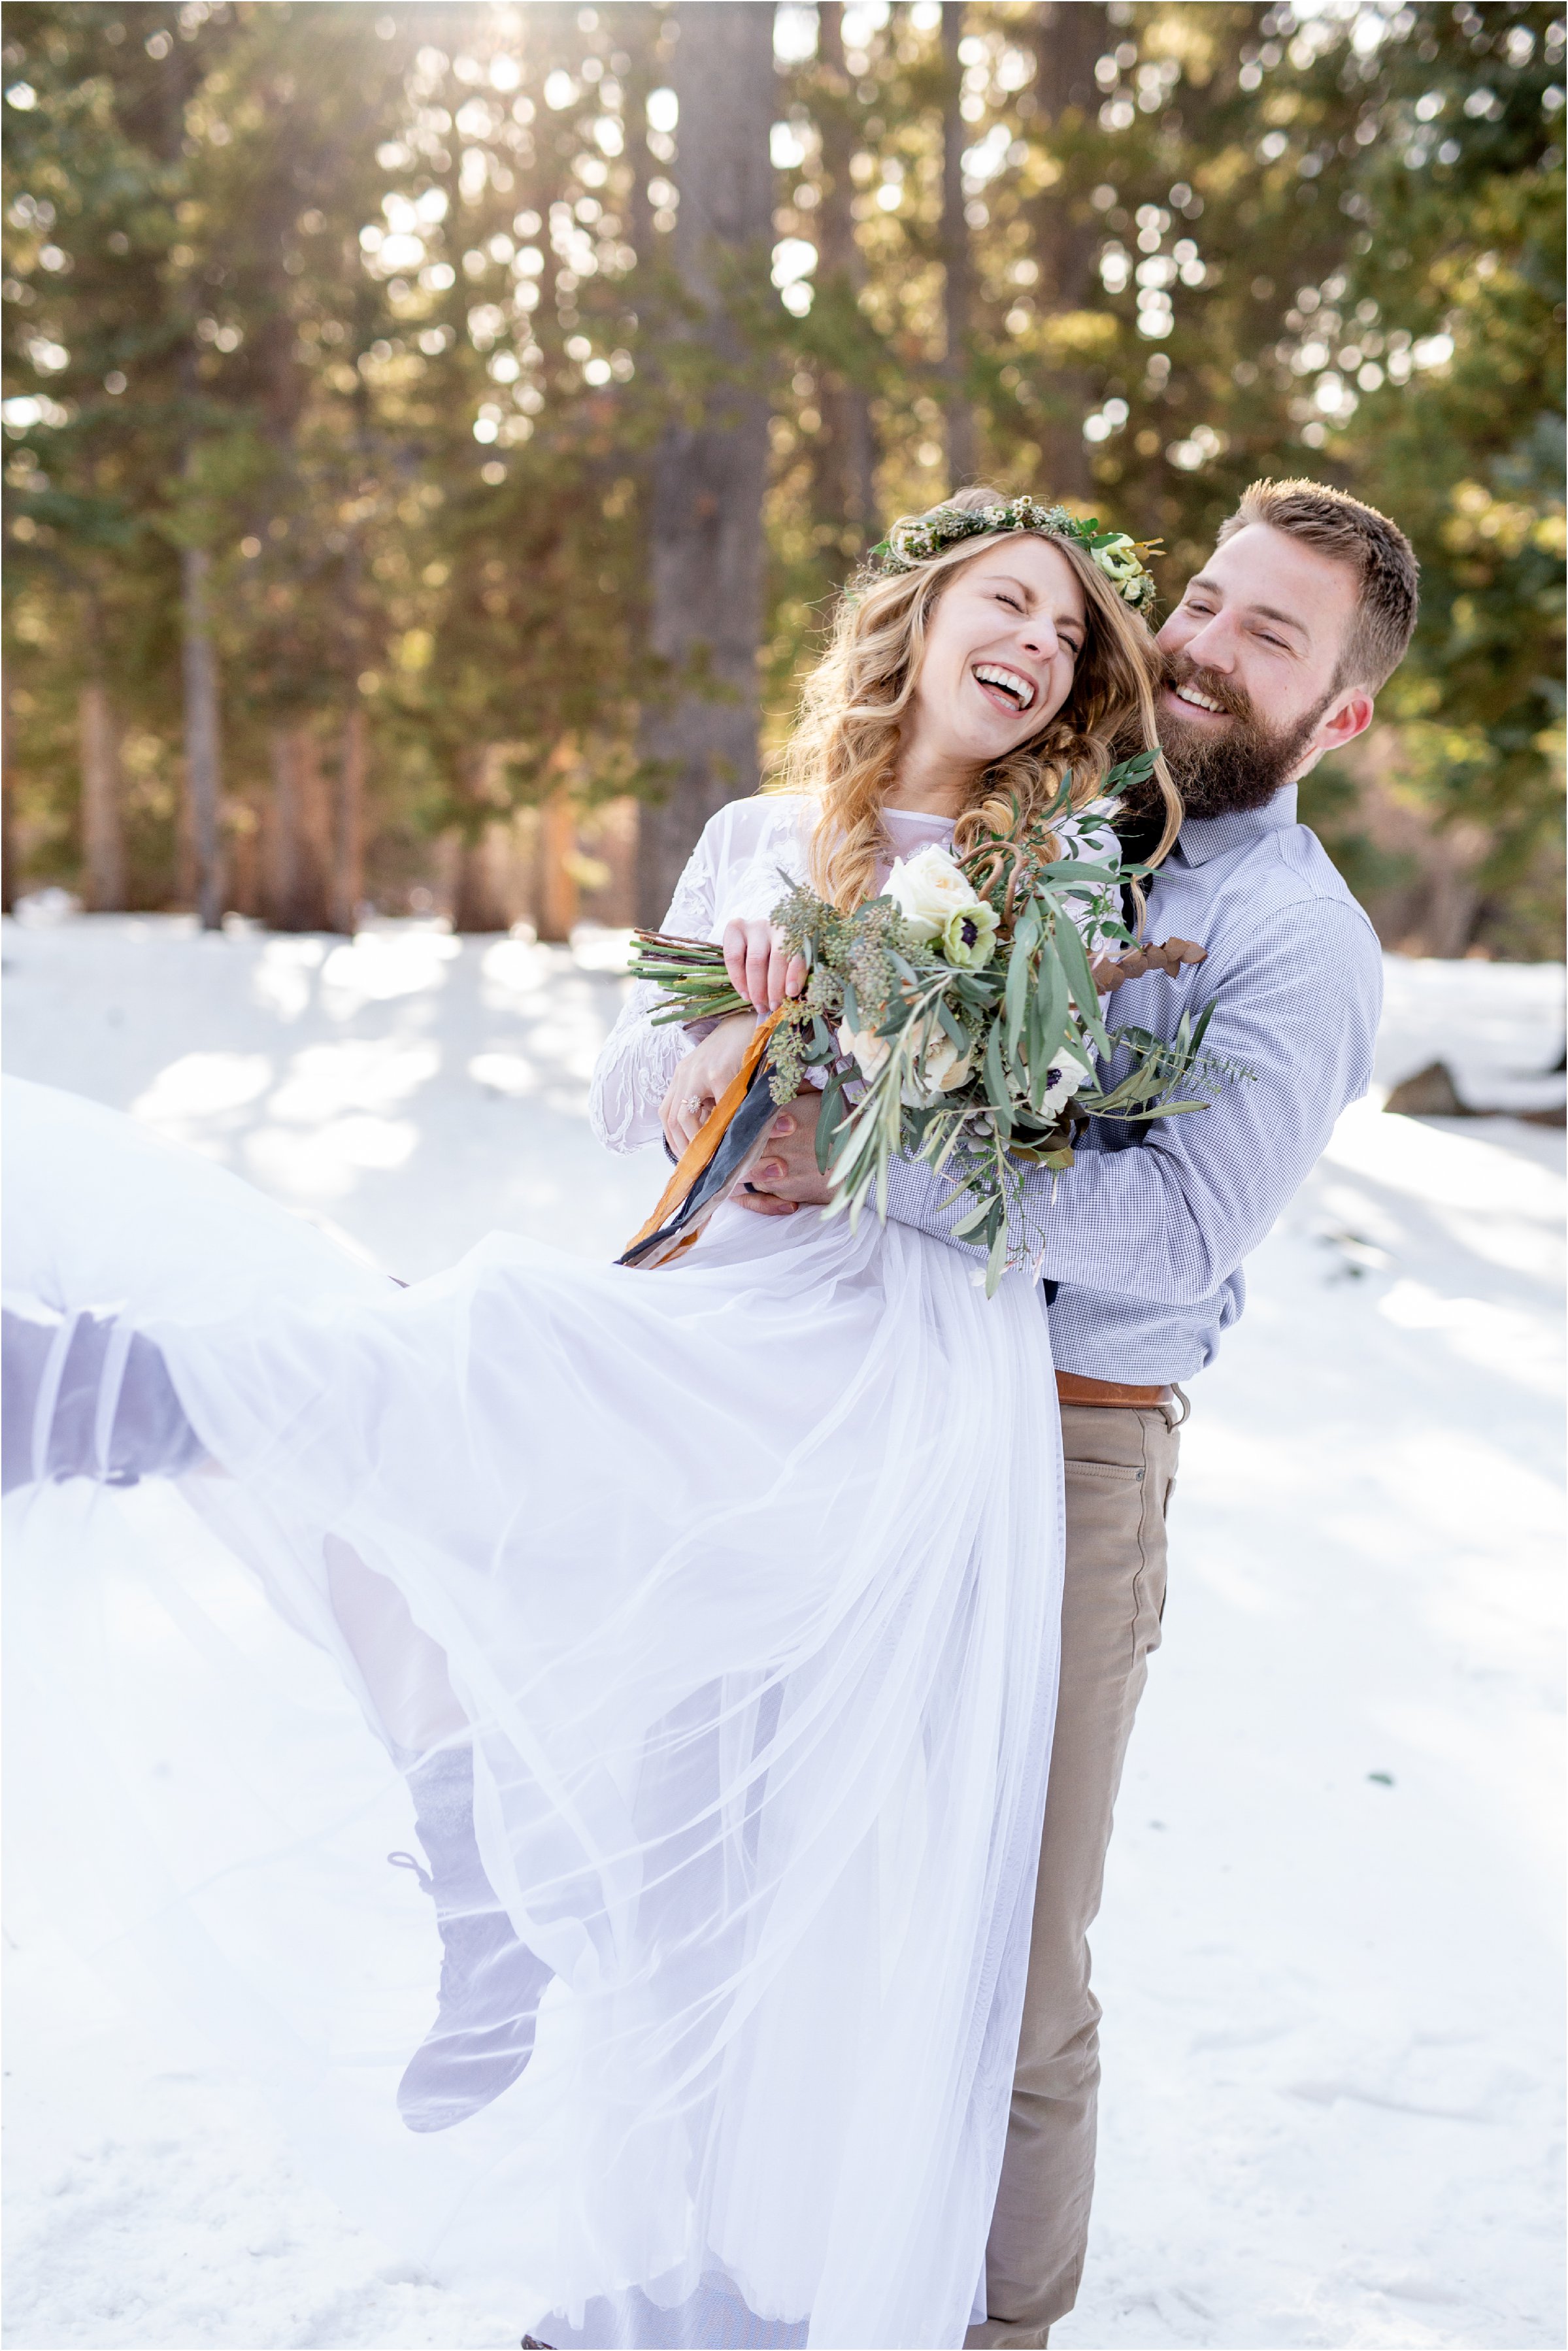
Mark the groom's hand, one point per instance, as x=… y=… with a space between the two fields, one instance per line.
x=788 y=1176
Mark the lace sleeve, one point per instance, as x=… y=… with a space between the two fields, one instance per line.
x=632 y=1073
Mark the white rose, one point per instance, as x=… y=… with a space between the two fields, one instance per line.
x=1118 y=559
x=1066 y=1073
x=929 y=891
x=940 y=1067
x=865 y=1047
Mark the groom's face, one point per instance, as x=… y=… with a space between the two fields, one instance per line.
x=1251 y=697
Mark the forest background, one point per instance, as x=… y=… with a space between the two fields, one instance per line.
x=434 y=432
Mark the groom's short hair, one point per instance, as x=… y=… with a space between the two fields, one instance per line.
x=1376 y=549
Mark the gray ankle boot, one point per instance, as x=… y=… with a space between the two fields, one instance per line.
x=491 y=1984
x=87 y=1397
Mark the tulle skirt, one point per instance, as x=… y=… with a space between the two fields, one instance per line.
x=743 y=1576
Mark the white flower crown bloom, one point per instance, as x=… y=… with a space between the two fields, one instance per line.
x=917 y=538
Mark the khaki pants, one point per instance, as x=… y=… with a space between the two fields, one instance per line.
x=1120 y=1468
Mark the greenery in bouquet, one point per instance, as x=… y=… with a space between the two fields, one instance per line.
x=956 y=1017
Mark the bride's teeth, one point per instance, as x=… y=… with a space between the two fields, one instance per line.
x=1020 y=689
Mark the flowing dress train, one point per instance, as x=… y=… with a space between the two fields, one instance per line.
x=742 y=1576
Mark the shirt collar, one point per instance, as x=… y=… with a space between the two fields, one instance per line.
x=1206 y=837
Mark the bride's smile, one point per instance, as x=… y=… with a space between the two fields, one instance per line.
x=1001 y=647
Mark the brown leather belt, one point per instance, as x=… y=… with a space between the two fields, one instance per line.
x=1071 y=1387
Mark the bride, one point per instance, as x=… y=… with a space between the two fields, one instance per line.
x=709 y=1613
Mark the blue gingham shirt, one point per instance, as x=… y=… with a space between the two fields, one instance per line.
x=1148 y=1232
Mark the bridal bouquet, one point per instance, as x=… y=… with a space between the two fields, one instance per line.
x=955 y=1020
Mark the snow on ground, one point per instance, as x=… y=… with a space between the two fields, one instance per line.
x=1329 y=1952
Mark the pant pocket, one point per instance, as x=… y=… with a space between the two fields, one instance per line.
x=1106 y=1507
x=1109 y=1474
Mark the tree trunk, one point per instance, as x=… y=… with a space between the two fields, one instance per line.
x=301 y=833
x=558 y=894
x=710 y=475
x=1067 y=36
x=103 y=825
x=846 y=445
x=476 y=904
x=245 y=885
x=349 y=861
x=478 y=907
x=957 y=259
x=204 y=768
x=282 y=833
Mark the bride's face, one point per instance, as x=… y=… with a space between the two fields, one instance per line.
x=1000 y=650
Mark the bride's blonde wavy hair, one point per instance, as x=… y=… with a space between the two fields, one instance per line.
x=845 y=748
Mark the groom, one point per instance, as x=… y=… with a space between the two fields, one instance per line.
x=1271 y=658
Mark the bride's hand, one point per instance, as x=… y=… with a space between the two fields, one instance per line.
x=760 y=968
x=703 y=1077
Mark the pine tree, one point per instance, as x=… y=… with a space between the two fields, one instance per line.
x=1440 y=390
x=92 y=343
x=710 y=469
x=381 y=363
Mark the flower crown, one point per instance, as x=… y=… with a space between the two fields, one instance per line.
x=918 y=538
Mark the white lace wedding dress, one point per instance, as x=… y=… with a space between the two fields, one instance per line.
x=745 y=1574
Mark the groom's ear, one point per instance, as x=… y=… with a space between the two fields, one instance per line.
x=1347 y=715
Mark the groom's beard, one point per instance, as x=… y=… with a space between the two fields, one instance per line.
x=1222 y=769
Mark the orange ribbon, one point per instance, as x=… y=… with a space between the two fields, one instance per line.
x=700 y=1150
